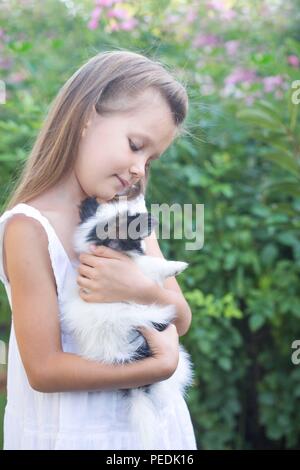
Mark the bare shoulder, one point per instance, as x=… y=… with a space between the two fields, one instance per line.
x=33 y=293
x=24 y=239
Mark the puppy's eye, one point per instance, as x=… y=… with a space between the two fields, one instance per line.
x=133 y=147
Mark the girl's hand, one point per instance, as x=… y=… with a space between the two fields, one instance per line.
x=107 y=275
x=164 y=346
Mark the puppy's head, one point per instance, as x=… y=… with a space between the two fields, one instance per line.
x=114 y=225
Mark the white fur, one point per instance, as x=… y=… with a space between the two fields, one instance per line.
x=106 y=332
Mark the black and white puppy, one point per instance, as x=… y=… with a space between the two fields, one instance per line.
x=107 y=332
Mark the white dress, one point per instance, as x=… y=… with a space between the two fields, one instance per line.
x=76 y=420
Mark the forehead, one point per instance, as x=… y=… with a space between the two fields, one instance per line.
x=151 y=118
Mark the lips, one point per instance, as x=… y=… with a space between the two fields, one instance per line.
x=124 y=182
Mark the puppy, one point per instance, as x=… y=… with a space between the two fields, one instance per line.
x=107 y=332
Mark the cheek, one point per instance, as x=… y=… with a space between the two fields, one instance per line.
x=121 y=160
x=96 y=161
x=86 y=170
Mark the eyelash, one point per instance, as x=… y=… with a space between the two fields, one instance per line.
x=135 y=149
x=132 y=146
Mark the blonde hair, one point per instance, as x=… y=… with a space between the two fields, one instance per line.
x=109 y=81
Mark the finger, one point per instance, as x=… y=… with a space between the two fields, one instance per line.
x=106 y=252
x=145 y=330
x=141 y=329
x=83 y=282
x=86 y=271
x=88 y=260
x=85 y=294
x=84 y=291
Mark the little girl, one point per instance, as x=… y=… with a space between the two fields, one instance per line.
x=115 y=115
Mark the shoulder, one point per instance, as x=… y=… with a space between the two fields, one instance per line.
x=23 y=224
x=22 y=231
x=25 y=240
x=34 y=300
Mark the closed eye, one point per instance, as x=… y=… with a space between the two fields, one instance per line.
x=132 y=146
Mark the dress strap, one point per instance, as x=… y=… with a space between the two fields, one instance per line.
x=58 y=257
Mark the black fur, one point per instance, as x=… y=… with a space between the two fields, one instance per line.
x=87 y=208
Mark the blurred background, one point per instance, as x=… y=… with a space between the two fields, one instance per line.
x=240 y=62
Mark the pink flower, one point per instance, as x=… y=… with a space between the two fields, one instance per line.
x=96 y=13
x=191 y=16
x=171 y=19
x=5 y=63
x=104 y=3
x=293 y=60
x=129 y=25
x=232 y=47
x=205 y=40
x=228 y=15
x=222 y=6
x=93 y=24
x=241 y=75
x=17 y=77
x=219 y=5
x=118 y=13
x=271 y=83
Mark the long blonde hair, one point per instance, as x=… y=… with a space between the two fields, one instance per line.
x=109 y=81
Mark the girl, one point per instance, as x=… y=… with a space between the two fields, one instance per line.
x=117 y=113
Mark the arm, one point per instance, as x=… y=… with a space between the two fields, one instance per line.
x=36 y=322
x=170 y=293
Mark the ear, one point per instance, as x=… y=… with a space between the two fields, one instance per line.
x=88 y=123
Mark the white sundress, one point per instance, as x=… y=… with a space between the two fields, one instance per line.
x=76 y=420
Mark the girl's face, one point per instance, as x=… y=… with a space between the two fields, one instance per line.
x=121 y=145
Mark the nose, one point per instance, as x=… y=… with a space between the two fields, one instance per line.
x=138 y=170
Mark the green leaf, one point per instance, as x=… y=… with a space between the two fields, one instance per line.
x=268 y=107
x=285 y=161
x=256 y=321
x=288 y=188
x=261 y=119
x=225 y=363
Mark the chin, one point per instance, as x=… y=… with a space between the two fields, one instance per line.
x=104 y=199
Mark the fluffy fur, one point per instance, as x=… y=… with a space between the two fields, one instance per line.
x=107 y=332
